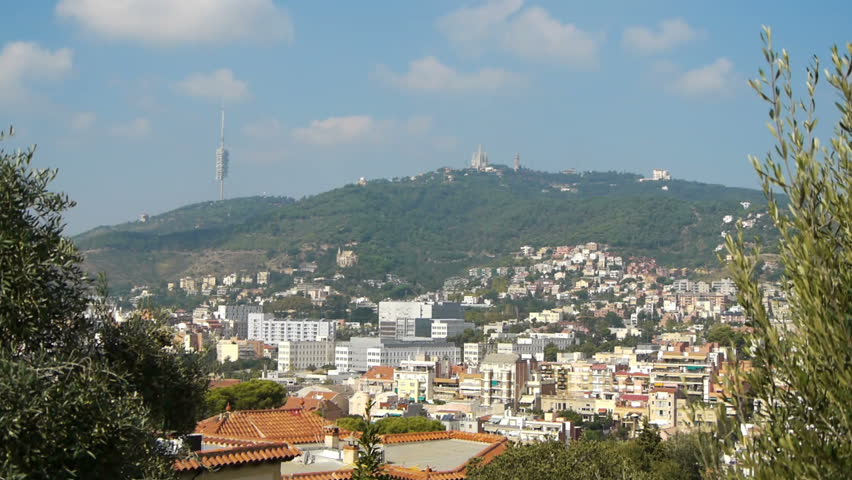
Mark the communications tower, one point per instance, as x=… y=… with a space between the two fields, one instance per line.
x=222 y=160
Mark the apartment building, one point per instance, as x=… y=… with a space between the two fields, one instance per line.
x=504 y=376
x=414 y=380
x=299 y=355
x=265 y=327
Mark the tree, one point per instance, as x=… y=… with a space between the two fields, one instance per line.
x=251 y=395
x=550 y=352
x=172 y=385
x=801 y=375
x=388 y=425
x=64 y=409
x=593 y=460
x=76 y=418
x=369 y=464
x=43 y=296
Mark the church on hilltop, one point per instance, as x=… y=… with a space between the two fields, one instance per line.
x=480 y=160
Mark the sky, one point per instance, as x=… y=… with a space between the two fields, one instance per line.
x=123 y=96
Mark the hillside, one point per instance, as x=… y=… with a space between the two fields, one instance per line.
x=425 y=228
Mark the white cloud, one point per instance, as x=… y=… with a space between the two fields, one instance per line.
x=263 y=128
x=362 y=129
x=472 y=27
x=172 y=22
x=83 y=120
x=715 y=78
x=336 y=130
x=430 y=75
x=133 y=130
x=218 y=85
x=670 y=34
x=22 y=63
x=530 y=33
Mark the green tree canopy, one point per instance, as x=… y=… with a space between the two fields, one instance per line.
x=675 y=459
x=73 y=402
x=251 y=395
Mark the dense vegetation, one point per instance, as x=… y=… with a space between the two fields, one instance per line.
x=646 y=457
x=80 y=396
x=392 y=424
x=251 y=395
x=426 y=228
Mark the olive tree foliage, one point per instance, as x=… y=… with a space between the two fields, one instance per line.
x=79 y=396
x=73 y=419
x=798 y=391
x=43 y=295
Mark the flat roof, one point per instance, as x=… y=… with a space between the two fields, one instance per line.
x=439 y=455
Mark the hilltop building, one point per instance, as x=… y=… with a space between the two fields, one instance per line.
x=479 y=160
x=660 y=174
x=346 y=258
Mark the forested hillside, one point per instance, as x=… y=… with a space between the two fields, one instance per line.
x=427 y=227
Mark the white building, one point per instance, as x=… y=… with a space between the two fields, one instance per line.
x=475 y=352
x=362 y=353
x=236 y=317
x=413 y=319
x=479 y=161
x=660 y=174
x=299 y=355
x=264 y=326
x=444 y=328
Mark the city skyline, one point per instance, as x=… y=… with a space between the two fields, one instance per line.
x=319 y=98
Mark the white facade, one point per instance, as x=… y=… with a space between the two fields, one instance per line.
x=301 y=355
x=263 y=326
x=444 y=328
x=362 y=353
x=475 y=352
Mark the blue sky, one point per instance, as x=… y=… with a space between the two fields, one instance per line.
x=123 y=96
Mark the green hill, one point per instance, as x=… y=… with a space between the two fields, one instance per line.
x=425 y=228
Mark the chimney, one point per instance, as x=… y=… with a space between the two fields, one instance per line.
x=350 y=454
x=548 y=416
x=332 y=438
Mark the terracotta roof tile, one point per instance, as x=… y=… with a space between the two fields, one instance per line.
x=293 y=426
x=265 y=452
x=379 y=373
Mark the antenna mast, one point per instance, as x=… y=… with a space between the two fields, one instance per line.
x=222 y=159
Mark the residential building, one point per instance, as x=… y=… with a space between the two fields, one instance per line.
x=475 y=352
x=301 y=355
x=413 y=380
x=504 y=376
x=361 y=353
x=263 y=326
x=444 y=328
x=235 y=317
x=234 y=349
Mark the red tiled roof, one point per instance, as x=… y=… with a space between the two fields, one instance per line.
x=320 y=395
x=441 y=435
x=634 y=398
x=633 y=374
x=380 y=373
x=264 y=452
x=293 y=426
x=300 y=403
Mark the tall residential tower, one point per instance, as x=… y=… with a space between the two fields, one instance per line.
x=222 y=160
